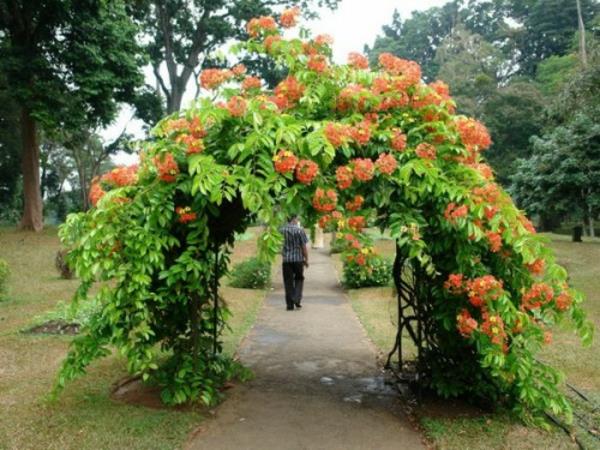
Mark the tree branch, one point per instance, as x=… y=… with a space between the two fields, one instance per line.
x=161 y=82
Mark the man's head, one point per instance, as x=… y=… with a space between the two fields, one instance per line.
x=293 y=219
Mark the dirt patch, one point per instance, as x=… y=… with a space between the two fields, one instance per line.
x=55 y=327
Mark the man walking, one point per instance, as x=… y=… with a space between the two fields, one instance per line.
x=295 y=258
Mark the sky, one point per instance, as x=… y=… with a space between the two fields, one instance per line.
x=353 y=25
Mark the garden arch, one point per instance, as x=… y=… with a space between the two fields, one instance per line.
x=359 y=146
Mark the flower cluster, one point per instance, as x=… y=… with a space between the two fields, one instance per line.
x=398 y=140
x=363 y=169
x=289 y=17
x=355 y=204
x=318 y=63
x=538 y=295
x=288 y=92
x=344 y=177
x=236 y=106
x=386 y=163
x=306 y=171
x=408 y=70
x=121 y=176
x=324 y=200
x=260 y=25
x=358 y=61
x=426 y=151
x=250 y=83
x=213 y=78
x=167 y=167
x=357 y=223
x=285 y=161
x=185 y=214
x=465 y=324
x=454 y=212
x=480 y=290
x=493 y=327
x=337 y=134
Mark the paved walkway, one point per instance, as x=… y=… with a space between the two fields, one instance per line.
x=317 y=385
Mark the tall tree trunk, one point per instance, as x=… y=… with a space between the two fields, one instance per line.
x=33 y=214
x=175 y=97
x=582 y=49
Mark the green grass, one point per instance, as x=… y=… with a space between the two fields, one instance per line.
x=376 y=309
x=84 y=416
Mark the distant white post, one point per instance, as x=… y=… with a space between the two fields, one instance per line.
x=319 y=239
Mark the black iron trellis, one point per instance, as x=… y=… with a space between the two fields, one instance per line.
x=414 y=317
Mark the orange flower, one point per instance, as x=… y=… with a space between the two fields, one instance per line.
x=358 y=61
x=318 y=63
x=357 y=223
x=409 y=71
x=96 y=192
x=361 y=259
x=538 y=295
x=361 y=132
x=270 y=40
x=289 y=17
x=465 y=324
x=482 y=289
x=473 y=134
x=493 y=326
x=251 y=83
x=121 y=176
x=495 y=241
x=323 y=39
x=355 y=204
x=285 y=161
x=306 y=171
x=185 y=214
x=386 y=163
x=364 y=169
x=547 y=337
x=536 y=267
x=192 y=144
x=426 y=151
x=563 y=301
x=398 y=140
x=344 y=177
x=336 y=133
x=167 y=167
x=290 y=88
x=236 y=106
x=454 y=212
x=239 y=69
x=455 y=284
x=261 y=24
x=213 y=78
x=324 y=200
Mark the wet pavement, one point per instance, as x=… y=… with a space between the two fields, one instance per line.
x=317 y=384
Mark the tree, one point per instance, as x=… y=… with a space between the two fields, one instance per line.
x=183 y=34
x=547 y=28
x=470 y=65
x=562 y=176
x=9 y=150
x=69 y=64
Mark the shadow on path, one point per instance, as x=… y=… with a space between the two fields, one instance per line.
x=317 y=385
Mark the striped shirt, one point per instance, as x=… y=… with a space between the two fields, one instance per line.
x=294 y=238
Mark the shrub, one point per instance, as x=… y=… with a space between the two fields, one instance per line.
x=251 y=274
x=4 y=273
x=376 y=272
x=337 y=245
x=62 y=265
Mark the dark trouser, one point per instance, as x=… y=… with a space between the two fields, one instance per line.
x=293 y=280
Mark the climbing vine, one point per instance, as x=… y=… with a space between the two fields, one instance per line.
x=347 y=146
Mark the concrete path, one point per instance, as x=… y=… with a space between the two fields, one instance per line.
x=317 y=385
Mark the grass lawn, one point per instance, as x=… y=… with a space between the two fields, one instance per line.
x=448 y=429
x=84 y=417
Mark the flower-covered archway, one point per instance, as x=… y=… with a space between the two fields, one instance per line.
x=347 y=146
